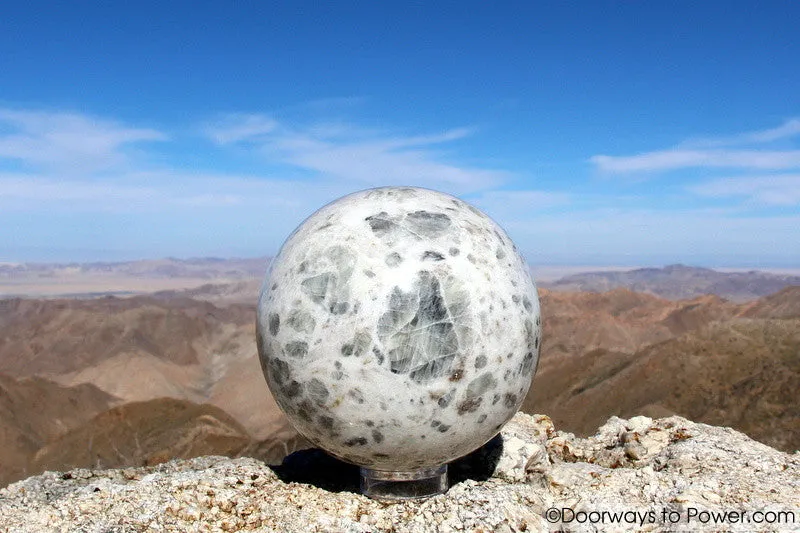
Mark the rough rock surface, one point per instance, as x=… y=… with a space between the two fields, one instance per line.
x=638 y=474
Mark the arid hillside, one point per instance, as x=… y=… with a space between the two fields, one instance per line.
x=44 y=426
x=152 y=432
x=743 y=373
x=142 y=348
x=35 y=411
x=622 y=353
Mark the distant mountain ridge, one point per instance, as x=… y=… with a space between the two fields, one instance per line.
x=677 y=282
x=170 y=267
x=238 y=279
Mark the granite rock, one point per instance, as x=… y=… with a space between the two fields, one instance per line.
x=638 y=474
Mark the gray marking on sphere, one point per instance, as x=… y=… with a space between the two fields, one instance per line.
x=301 y=321
x=428 y=224
x=293 y=389
x=510 y=400
x=274 y=323
x=418 y=331
x=317 y=391
x=527 y=303
x=393 y=259
x=430 y=255
x=480 y=385
x=356 y=395
x=296 y=349
x=359 y=344
x=279 y=370
x=445 y=400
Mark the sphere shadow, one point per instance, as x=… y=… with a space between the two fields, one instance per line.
x=315 y=467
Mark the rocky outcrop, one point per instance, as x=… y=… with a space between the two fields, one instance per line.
x=637 y=474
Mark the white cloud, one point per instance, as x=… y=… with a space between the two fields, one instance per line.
x=779 y=189
x=167 y=191
x=382 y=163
x=677 y=159
x=788 y=129
x=364 y=158
x=75 y=162
x=712 y=153
x=67 y=142
x=235 y=128
x=76 y=165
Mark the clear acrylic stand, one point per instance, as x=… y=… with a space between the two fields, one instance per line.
x=397 y=486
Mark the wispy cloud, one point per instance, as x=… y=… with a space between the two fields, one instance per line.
x=156 y=191
x=789 y=128
x=67 y=142
x=779 y=189
x=235 y=128
x=678 y=159
x=721 y=152
x=365 y=158
x=76 y=162
x=71 y=175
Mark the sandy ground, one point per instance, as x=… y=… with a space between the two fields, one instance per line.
x=93 y=285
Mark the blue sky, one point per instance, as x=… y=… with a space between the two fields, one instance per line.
x=596 y=133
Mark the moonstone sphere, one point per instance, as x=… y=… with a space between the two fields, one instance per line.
x=398 y=328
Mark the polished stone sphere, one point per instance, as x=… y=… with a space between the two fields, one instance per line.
x=398 y=328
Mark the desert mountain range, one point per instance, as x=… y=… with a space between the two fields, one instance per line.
x=239 y=279
x=677 y=282
x=110 y=381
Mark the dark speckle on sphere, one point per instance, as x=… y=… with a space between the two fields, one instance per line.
x=432 y=256
x=274 y=324
x=317 y=391
x=296 y=349
x=393 y=259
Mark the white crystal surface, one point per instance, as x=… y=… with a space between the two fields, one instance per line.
x=398 y=328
